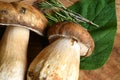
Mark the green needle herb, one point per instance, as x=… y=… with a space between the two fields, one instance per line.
x=63 y=14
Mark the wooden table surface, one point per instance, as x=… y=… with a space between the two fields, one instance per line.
x=110 y=71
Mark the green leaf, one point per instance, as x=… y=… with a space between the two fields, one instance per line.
x=101 y=12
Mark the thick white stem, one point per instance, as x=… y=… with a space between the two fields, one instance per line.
x=13 y=53
x=59 y=61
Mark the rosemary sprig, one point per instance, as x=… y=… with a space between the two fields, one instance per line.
x=63 y=14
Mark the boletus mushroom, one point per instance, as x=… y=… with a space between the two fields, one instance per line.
x=61 y=59
x=18 y=17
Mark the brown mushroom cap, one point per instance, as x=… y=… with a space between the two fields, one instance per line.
x=24 y=15
x=72 y=30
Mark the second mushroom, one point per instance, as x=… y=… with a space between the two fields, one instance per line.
x=61 y=59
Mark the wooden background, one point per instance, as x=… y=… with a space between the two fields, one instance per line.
x=110 y=71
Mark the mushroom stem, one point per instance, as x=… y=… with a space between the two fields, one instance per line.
x=59 y=61
x=13 y=51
